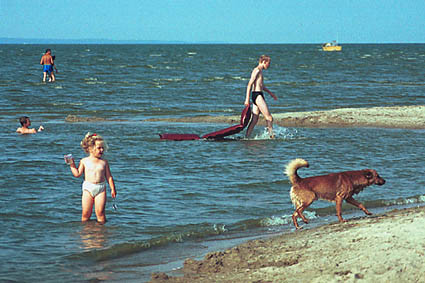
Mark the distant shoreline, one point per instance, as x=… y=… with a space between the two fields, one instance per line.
x=397 y=117
x=36 y=41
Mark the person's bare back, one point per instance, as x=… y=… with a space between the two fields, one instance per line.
x=46 y=59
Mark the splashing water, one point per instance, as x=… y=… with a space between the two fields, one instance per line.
x=280 y=133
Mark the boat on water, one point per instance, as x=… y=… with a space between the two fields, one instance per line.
x=331 y=46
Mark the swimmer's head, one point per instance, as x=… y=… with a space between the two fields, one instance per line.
x=23 y=120
x=89 y=141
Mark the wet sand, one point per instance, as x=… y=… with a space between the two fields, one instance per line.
x=406 y=117
x=389 y=247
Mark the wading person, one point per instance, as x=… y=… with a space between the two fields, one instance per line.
x=256 y=87
x=47 y=62
x=96 y=174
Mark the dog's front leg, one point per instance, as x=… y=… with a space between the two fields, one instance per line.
x=352 y=201
x=338 y=201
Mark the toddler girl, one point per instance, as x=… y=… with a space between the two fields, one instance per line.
x=96 y=173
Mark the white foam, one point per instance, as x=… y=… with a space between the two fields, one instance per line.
x=285 y=219
x=411 y=200
x=280 y=133
x=276 y=221
x=220 y=228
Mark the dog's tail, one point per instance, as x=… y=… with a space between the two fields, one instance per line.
x=292 y=167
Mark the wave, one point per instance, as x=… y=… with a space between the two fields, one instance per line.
x=203 y=231
x=370 y=204
x=178 y=235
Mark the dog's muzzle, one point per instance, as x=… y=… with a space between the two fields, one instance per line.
x=380 y=182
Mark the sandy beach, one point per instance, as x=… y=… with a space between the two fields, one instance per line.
x=389 y=247
x=407 y=117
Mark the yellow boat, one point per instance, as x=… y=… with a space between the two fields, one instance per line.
x=331 y=46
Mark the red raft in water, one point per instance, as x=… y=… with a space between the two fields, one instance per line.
x=245 y=117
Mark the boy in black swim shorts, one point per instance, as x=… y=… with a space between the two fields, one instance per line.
x=256 y=86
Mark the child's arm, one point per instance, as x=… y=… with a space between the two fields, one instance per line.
x=271 y=93
x=110 y=180
x=77 y=172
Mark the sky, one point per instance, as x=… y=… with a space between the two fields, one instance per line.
x=217 y=21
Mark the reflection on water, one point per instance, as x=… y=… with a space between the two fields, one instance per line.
x=93 y=235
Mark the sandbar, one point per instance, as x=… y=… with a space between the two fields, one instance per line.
x=402 y=117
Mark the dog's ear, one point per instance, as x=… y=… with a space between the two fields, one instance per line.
x=368 y=175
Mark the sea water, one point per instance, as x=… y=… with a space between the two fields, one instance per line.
x=182 y=199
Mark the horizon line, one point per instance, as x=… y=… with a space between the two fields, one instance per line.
x=7 y=40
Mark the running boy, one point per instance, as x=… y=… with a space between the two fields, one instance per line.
x=96 y=173
x=256 y=86
x=25 y=123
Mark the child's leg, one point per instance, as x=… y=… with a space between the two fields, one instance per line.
x=44 y=76
x=261 y=103
x=87 y=206
x=99 y=206
x=254 y=120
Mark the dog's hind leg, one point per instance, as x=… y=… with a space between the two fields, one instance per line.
x=299 y=213
x=352 y=201
x=301 y=200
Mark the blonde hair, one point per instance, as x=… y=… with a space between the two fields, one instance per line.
x=264 y=58
x=90 y=141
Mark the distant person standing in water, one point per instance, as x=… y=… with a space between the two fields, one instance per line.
x=54 y=66
x=47 y=62
x=26 y=123
x=256 y=86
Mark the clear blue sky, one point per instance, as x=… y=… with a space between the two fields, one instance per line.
x=229 y=21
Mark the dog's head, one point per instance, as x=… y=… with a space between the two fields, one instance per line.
x=373 y=177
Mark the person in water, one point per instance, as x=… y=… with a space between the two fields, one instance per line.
x=48 y=63
x=54 y=66
x=96 y=173
x=256 y=87
x=25 y=124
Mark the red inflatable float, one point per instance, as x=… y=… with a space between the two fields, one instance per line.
x=245 y=117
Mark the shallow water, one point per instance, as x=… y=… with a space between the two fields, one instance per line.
x=176 y=198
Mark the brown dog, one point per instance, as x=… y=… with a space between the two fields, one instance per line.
x=332 y=187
